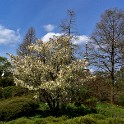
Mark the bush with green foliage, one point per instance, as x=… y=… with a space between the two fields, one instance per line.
x=71 y=110
x=107 y=114
x=1 y=92
x=17 y=107
x=91 y=102
x=7 y=78
x=119 y=99
x=12 y=91
x=6 y=81
x=110 y=110
x=88 y=119
x=8 y=91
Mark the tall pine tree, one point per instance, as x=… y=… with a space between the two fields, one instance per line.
x=29 y=38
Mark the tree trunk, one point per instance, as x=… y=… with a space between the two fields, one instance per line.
x=54 y=104
x=112 y=94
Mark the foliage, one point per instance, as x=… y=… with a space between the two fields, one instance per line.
x=71 y=110
x=47 y=120
x=8 y=91
x=120 y=77
x=1 y=92
x=120 y=98
x=100 y=87
x=108 y=114
x=110 y=110
x=4 y=65
x=28 y=39
x=88 y=119
x=6 y=81
x=12 y=91
x=79 y=95
x=22 y=120
x=6 y=77
x=17 y=107
x=51 y=70
x=91 y=102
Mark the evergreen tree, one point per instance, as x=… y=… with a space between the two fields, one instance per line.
x=28 y=39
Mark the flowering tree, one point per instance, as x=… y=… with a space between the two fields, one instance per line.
x=51 y=70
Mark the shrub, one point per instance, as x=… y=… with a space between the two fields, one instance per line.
x=81 y=120
x=7 y=91
x=73 y=111
x=6 y=81
x=115 y=121
x=17 y=107
x=88 y=120
x=98 y=116
x=22 y=120
x=19 y=91
x=12 y=91
x=120 y=99
x=47 y=120
x=2 y=122
x=0 y=92
x=91 y=102
x=110 y=110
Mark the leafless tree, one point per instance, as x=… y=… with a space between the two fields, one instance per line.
x=106 y=44
x=68 y=25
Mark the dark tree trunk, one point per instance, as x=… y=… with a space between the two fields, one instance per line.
x=54 y=104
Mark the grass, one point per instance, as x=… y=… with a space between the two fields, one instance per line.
x=110 y=110
x=87 y=119
x=106 y=114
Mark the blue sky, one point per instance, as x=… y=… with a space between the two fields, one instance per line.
x=16 y=16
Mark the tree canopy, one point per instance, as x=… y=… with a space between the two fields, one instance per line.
x=29 y=38
x=53 y=72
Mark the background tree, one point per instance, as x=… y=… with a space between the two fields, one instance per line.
x=28 y=39
x=68 y=28
x=106 y=44
x=120 y=78
x=53 y=75
x=100 y=87
x=68 y=25
x=6 y=77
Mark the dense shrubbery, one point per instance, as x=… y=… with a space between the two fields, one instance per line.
x=88 y=119
x=110 y=110
x=73 y=111
x=69 y=110
x=0 y=92
x=17 y=107
x=120 y=99
x=6 y=81
x=7 y=92
x=12 y=91
x=106 y=113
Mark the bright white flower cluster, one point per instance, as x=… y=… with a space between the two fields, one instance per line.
x=51 y=66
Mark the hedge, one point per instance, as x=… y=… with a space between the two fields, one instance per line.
x=12 y=91
x=17 y=107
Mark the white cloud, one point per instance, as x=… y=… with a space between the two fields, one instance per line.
x=8 y=36
x=92 y=70
x=49 y=27
x=82 y=39
x=49 y=35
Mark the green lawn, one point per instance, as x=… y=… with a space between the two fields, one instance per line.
x=110 y=110
x=106 y=114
